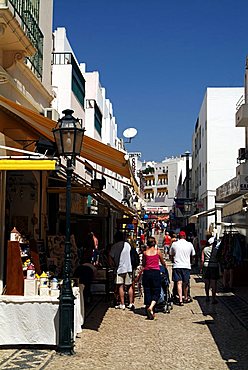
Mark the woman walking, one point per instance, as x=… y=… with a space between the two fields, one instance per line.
x=210 y=269
x=151 y=276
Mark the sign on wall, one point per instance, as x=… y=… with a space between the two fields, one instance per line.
x=236 y=186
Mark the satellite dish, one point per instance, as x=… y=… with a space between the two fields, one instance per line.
x=129 y=133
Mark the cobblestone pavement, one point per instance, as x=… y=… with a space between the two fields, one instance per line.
x=196 y=336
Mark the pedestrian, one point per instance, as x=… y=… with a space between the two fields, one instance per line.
x=174 y=238
x=166 y=243
x=120 y=254
x=86 y=273
x=196 y=245
x=142 y=239
x=95 y=251
x=210 y=269
x=151 y=276
x=181 y=252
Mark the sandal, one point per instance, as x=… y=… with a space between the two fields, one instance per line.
x=181 y=304
x=150 y=315
x=187 y=300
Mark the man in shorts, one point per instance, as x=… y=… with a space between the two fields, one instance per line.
x=181 y=252
x=120 y=254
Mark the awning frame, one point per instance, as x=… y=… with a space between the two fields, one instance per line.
x=37 y=125
x=194 y=218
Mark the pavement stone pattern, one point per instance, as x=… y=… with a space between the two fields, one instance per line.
x=198 y=335
x=24 y=359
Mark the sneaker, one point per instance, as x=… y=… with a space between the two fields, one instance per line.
x=131 y=307
x=120 y=307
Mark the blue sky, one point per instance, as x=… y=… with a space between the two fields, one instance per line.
x=156 y=59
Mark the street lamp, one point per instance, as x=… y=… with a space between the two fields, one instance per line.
x=68 y=136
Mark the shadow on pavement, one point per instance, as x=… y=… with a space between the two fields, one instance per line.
x=140 y=311
x=95 y=312
x=230 y=337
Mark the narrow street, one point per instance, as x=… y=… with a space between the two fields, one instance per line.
x=195 y=336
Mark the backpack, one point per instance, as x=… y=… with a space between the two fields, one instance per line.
x=135 y=260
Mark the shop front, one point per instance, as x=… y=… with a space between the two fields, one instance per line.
x=38 y=215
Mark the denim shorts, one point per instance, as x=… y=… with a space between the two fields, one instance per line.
x=181 y=275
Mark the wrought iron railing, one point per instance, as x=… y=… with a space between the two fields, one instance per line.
x=28 y=12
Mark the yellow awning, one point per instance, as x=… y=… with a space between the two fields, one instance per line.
x=20 y=123
x=27 y=164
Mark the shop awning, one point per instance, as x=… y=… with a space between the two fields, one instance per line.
x=20 y=123
x=235 y=206
x=117 y=205
x=194 y=218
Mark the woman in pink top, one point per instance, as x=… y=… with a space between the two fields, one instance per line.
x=151 y=276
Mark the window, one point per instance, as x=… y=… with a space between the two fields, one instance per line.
x=98 y=120
x=78 y=83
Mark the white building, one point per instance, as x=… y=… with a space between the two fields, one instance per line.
x=81 y=91
x=215 y=146
x=161 y=183
x=234 y=193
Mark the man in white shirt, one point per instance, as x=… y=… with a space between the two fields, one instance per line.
x=120 y=254
x=181 y=252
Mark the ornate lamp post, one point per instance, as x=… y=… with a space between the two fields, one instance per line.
x=68 y=136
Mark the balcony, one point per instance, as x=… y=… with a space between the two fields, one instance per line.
x=159 y=184
x=20 y=34
x=242 y=116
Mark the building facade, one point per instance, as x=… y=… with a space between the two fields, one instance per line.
x=161 y=183
x=25 y=75
x=215 y=145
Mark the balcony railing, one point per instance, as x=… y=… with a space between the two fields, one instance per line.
x=28 y=12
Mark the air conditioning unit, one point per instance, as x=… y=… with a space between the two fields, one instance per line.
x=51 y=113
x=242 y=154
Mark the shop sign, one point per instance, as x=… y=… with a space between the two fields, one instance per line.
x=27 y=164
x=236 y=186
x=157 y=209
x=77 y=203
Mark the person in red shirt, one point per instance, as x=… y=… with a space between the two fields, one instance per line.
x=142 y=239
x=166 y=243
x=151 y=276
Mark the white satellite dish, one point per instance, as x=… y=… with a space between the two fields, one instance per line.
x=129 y=133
